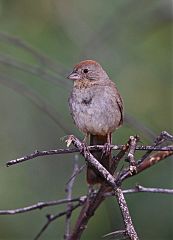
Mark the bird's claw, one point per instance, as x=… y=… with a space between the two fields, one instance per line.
x=84 y=148
x=106 y=149
x=69 y=140
x=132 y=169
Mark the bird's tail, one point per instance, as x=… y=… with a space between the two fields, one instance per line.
x=94 y=177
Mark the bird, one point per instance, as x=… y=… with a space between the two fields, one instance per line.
x=97 y=110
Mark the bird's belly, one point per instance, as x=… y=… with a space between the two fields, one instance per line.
x=94 y=119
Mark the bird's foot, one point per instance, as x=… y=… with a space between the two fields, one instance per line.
x=68 y=140
x=106 y=149
x=84 y=148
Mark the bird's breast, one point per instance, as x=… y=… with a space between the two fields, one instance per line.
x=94 y=110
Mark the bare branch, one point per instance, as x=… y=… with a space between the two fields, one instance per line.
x=148 y=162
x=92 y=161
x=51 y=218
x=140 y=188
x=116 y=159
x=37 y=153
x=68 y=189
x=90 y=205
x=126 y=215
x=132 y=142
x=164 y=136
x=82 y=199
x=79 y=170
x=41 y=205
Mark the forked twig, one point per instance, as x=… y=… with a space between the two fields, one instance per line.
x=51 y=218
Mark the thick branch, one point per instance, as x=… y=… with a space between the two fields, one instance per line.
x=126 y=215
x=92 y=204
x=93 y=161
x=88 y=210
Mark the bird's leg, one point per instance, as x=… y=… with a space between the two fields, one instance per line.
x=91 y=190
x=84 y=143
x=107 y=146
x=85 y=138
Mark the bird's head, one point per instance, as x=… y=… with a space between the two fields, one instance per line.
x=88 y=70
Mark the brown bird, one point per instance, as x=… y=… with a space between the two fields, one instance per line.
x=97 y=109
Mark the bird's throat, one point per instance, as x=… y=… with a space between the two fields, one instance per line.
x=83 y=83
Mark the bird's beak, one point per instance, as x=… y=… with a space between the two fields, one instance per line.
x=74 y=76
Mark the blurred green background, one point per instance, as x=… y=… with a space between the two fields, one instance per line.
x=40 y=41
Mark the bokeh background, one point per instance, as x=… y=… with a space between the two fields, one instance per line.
x=40 y=41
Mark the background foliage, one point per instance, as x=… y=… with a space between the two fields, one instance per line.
x=132 y=41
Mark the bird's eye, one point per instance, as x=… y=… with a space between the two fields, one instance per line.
x=85 y=70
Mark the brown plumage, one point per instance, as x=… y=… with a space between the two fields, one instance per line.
x=96 y=107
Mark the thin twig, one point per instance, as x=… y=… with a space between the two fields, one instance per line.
x=68 y=189
x=116 y=159
x=82 y=199
x=141 y=166
x=37 y=153
x=163 y=136
x=51 y=218
x=79 y=170
x=132 y=146
x=140 y=188
x=41 y=205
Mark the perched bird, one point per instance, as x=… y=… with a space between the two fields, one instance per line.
x=97 y=109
